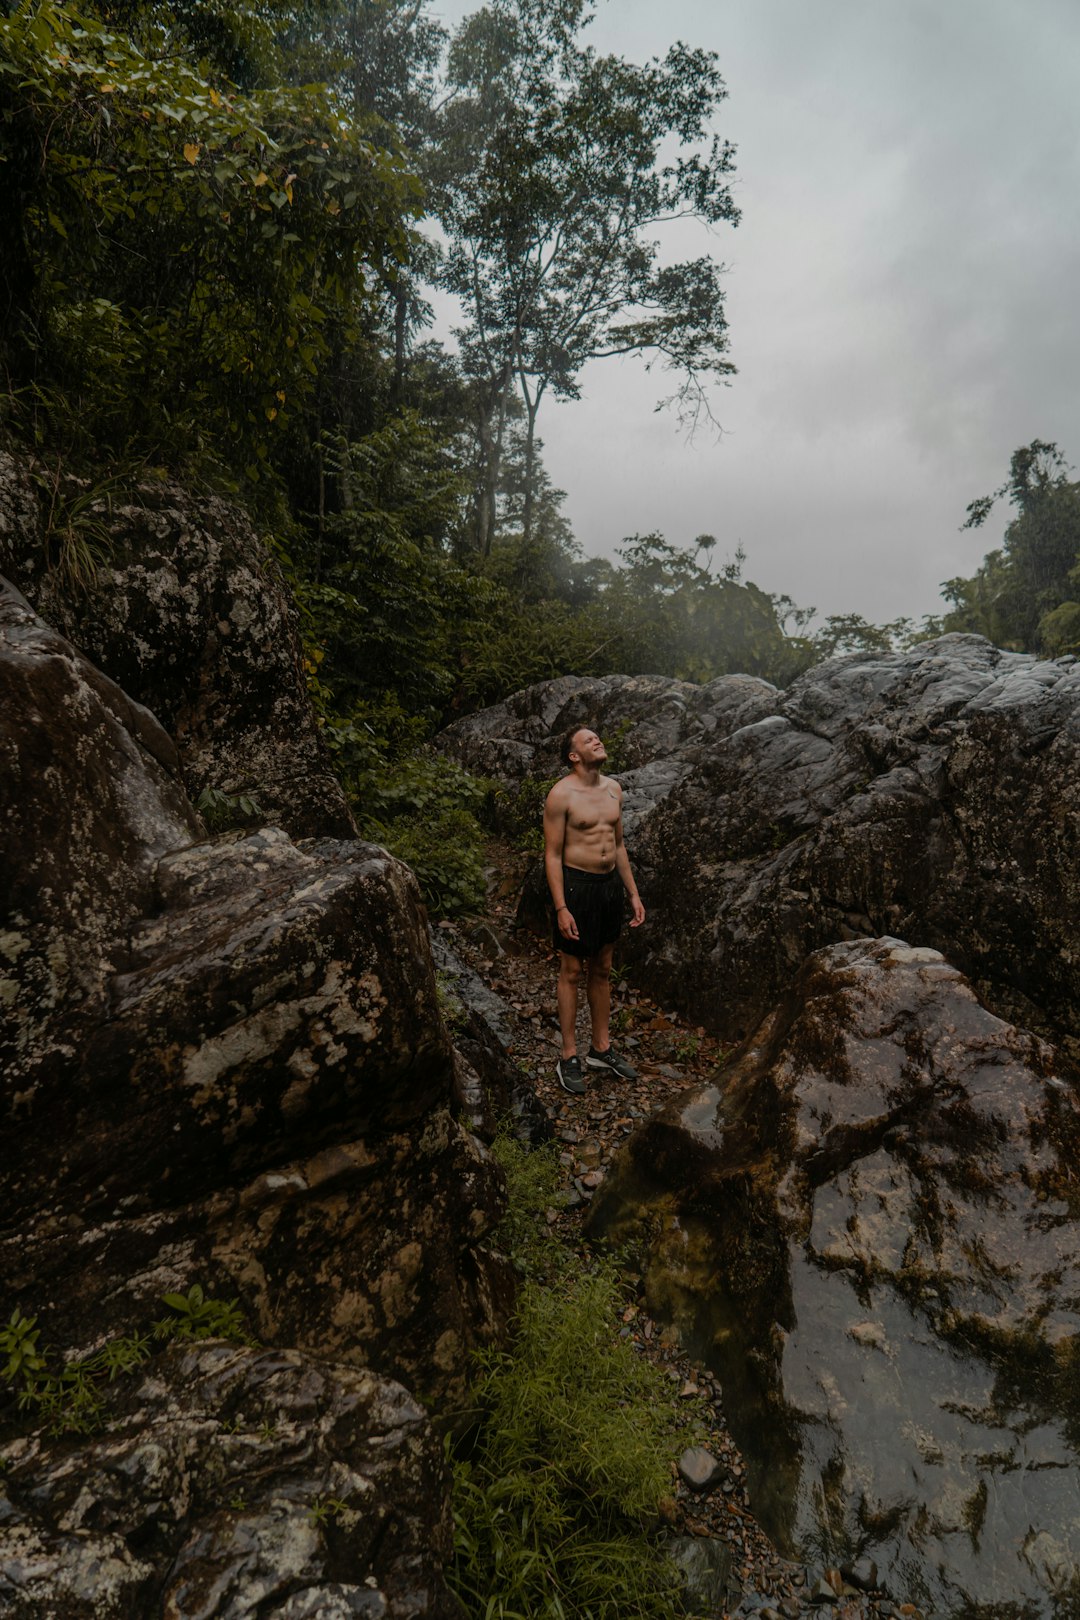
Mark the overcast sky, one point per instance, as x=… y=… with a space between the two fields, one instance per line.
x=903 y=294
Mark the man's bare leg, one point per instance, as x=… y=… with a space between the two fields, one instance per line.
x=598 y=990
x=567 y=998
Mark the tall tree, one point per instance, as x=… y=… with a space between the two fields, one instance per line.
x=557 y=166
x=1011 y=597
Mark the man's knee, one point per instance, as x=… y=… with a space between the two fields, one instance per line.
x=600 y=967
x=569 y=967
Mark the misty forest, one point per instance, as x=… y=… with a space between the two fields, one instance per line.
x=321 y=1296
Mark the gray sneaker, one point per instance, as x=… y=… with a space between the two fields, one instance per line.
x=570 y=1076
x=611 y=1062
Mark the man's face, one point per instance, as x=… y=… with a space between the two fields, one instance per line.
x=588 y=748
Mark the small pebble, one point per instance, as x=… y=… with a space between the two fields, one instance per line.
x=823 y=1590
x=863 y=1574
x=699 y=1469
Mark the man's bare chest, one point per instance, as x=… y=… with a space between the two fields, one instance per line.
x=593 y=808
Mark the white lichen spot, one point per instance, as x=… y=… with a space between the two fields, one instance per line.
x=914 y=953
x=240 y=1046
x=447 y=1351
x=12 y=944
x=353 y=1314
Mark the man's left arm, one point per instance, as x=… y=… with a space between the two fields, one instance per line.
x=622 y=866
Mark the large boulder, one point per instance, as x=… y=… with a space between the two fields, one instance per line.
x=223 y=1060
x=932 y=794
x=868 y=1224
x=231 y=1484
x=186 y=610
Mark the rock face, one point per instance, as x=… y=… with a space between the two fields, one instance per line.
x=491 y=1088
x=224 y=1057
x=655 y=728
x=869 y=1225
x=187 y=613
x=228 y=1483
x=933 y=794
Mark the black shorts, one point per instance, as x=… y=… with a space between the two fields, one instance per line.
x=595 y=901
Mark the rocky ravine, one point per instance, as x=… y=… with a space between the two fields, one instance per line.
x=223 y=1061
x=933 y=795
x=866 y=1223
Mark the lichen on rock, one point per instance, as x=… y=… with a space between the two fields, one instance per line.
x=228 y=1483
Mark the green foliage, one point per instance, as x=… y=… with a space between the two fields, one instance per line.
x=1059 y=630
x=666 y=612
x=18 y=1343
x=423 y=785
x=447 y=855
x=553 y=1508
x=553 y=168
x=71 y=1399
x=75 y=531
x=325 y=1508
x=423 y=808
x=451 y=1009
x=379 y=592
x=533 y=1185
x=175 y=247
x=221 y=810
x=517 y=812
x=557 y=1488
x=195 y=1316
x=1021 y=595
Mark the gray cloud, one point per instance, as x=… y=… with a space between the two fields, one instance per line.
x=901 y=294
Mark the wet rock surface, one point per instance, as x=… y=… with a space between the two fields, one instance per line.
x=933 y=795
x=867 y=1225
x=223 y=1062
x=187 y=612
x=230 y=1483
x=222 y=1059
x=89 y=800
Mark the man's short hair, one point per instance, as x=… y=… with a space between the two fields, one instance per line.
x=567 y=747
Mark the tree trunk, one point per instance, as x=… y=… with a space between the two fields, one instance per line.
x=485 y=506
x=531 y=408
x=492 y=435
x=401 y=324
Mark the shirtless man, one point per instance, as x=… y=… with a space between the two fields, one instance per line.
x=587 y=869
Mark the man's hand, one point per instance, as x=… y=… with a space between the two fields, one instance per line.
x=566 y=924
x=638 y=911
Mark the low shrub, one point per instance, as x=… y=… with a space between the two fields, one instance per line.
x=423 y=809
x=561 y=1482
x=68 y=1397
x=517 y=813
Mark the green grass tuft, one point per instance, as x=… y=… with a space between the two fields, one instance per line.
x=559 y=1489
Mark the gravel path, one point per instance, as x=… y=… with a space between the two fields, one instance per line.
x=669 y=1054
